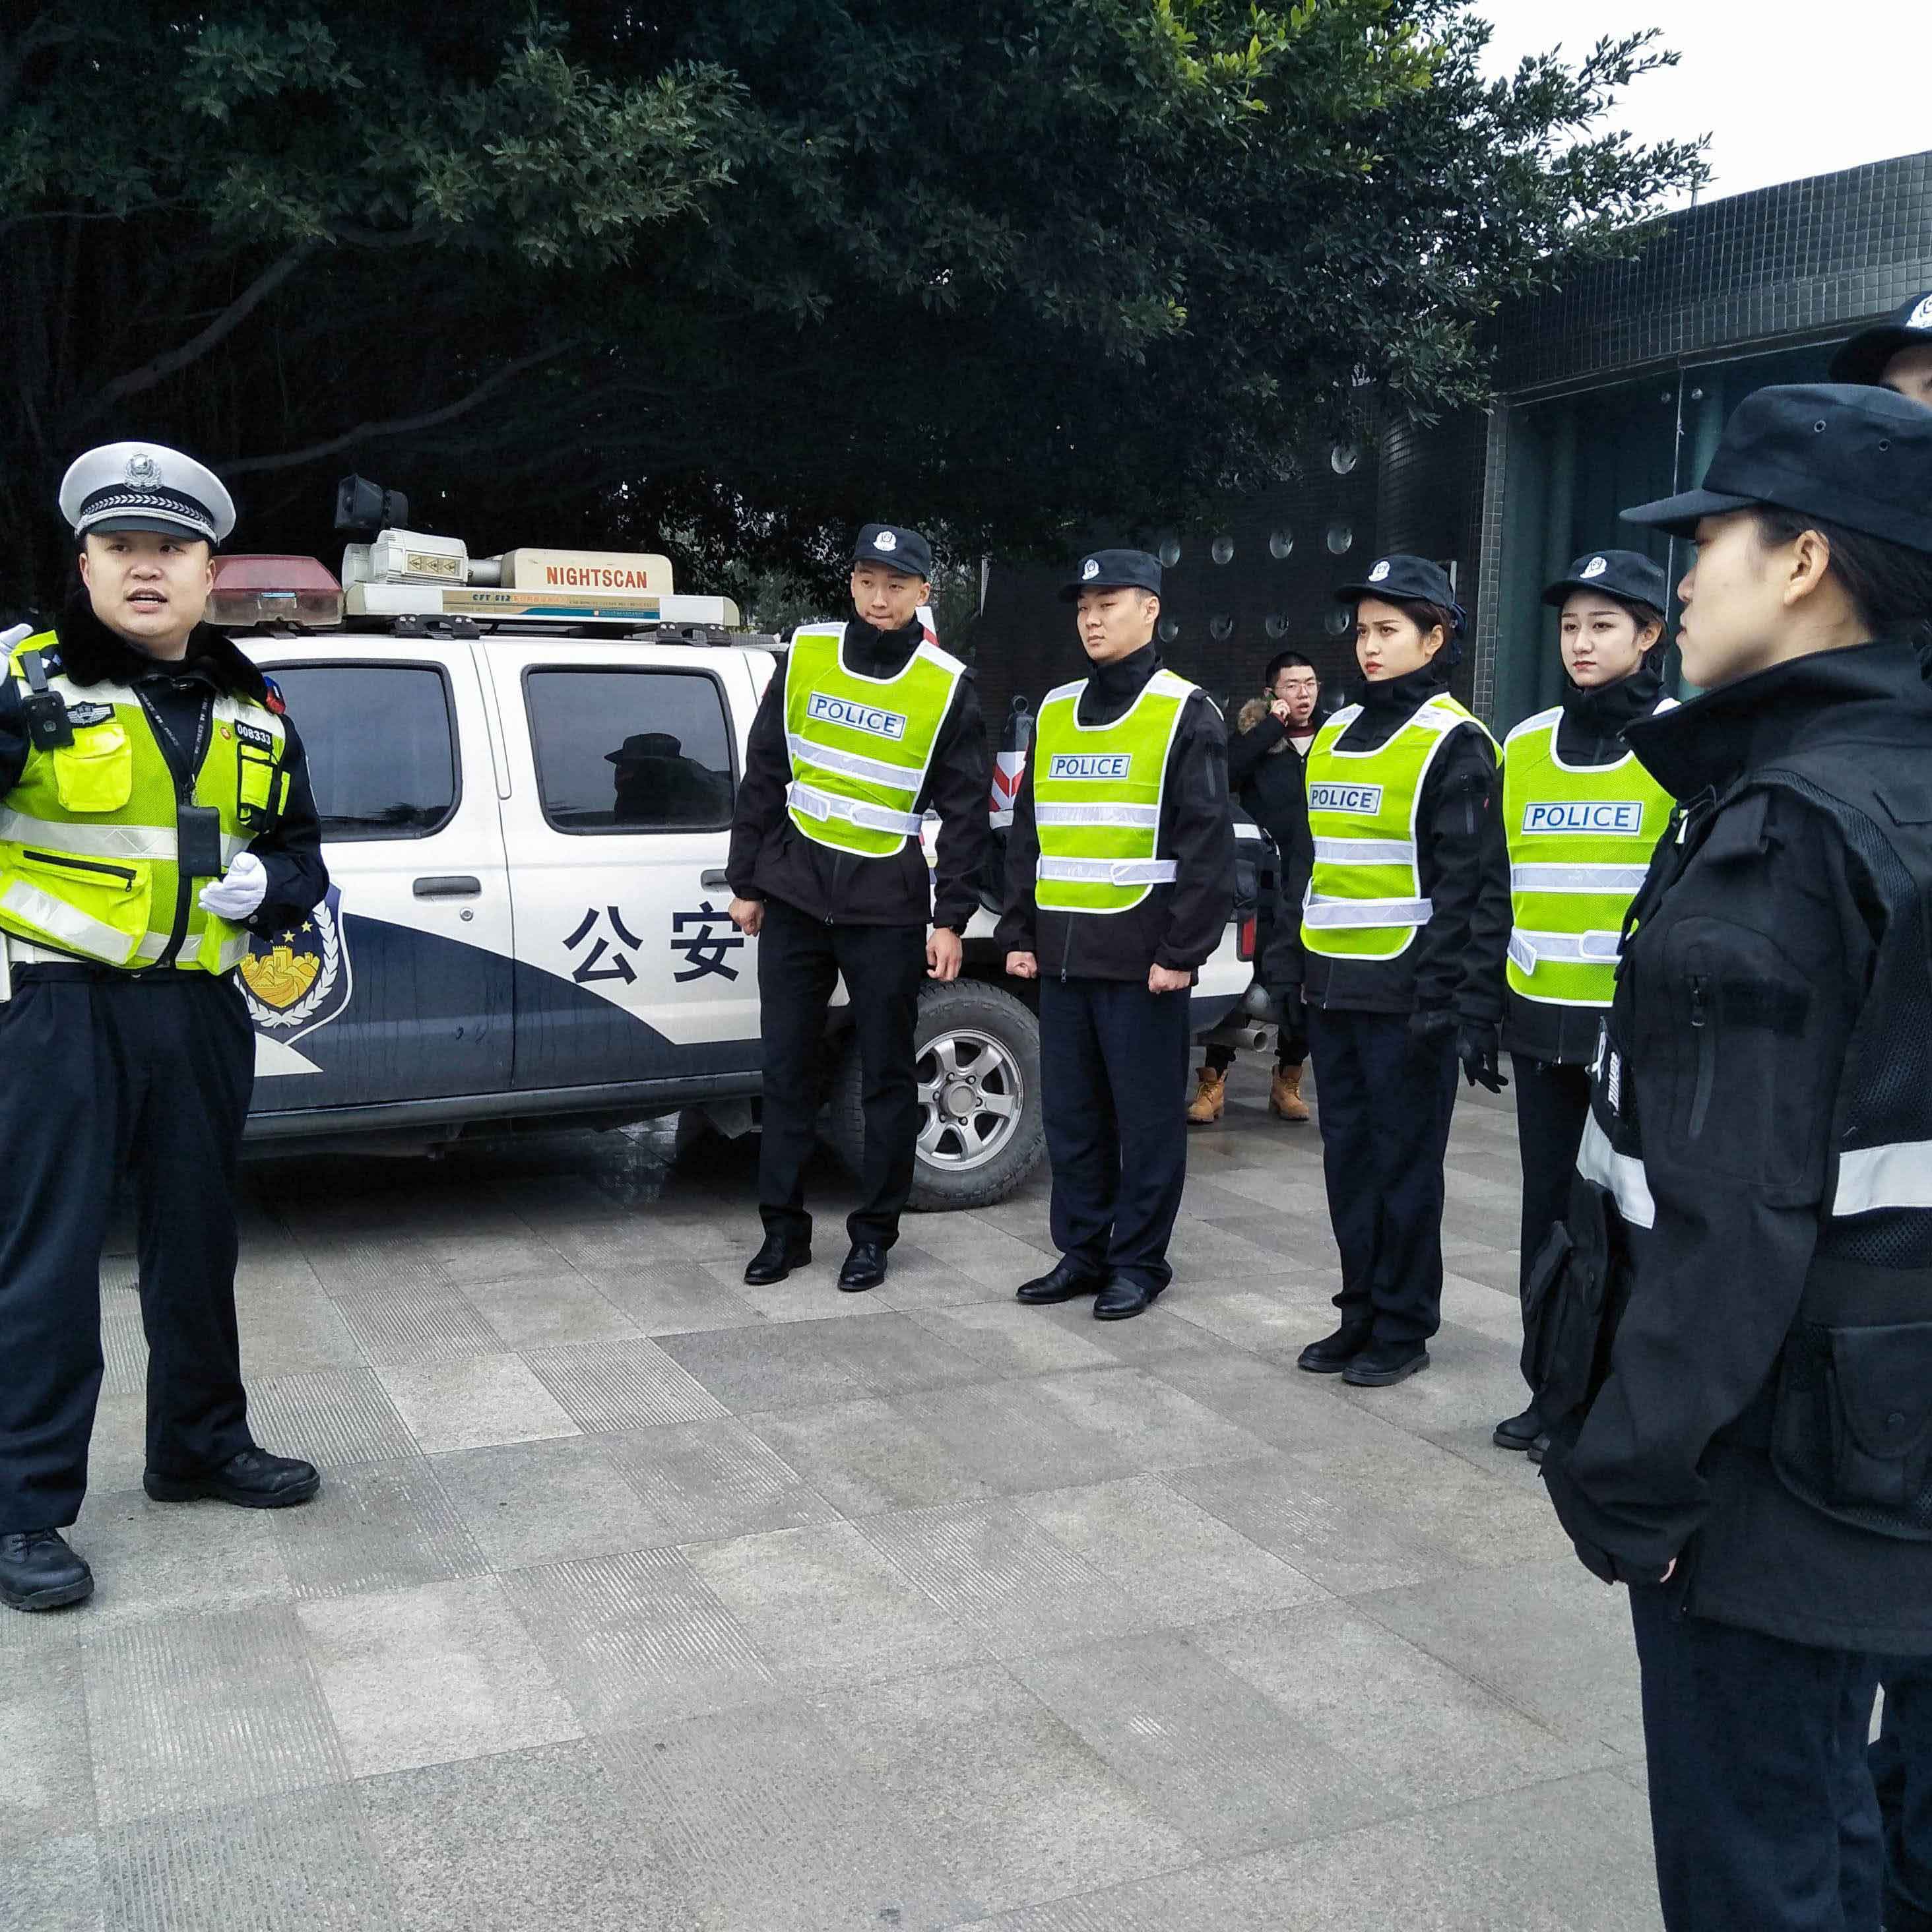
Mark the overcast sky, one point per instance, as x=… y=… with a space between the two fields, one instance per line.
x=1785 y=89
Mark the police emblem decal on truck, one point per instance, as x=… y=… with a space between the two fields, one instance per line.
x=297 y=977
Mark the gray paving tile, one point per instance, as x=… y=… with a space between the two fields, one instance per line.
x=506 y=1252
x=53 y=1884
x=290 y=1332
x=401 y=1325
x=1214 y=1757
x=123 y=1345
x=375 y=1526
x=1277 y=1404
x=778 y=1828
x=170 y=1559
x=428 y=1675
x=776 y=1365
x=950 y=1259
x=1285 y=1315
x=1155 y=1425
x=1174 y=1562
x=1009 y=1339
x=1016 y=1435
x=638 y=1639
x=331 y=1417
x=527 y=1839
x=621 y=1382
x=47 y=1775
x=995 y=1570
x=825 y=1607
x=809 y=1294
x=886 y=1353
x=468 y=1401
x=701 y=1480
x=541 y=1502
x=673 y=1296
x=539 y=1311
x=865 y=1456
x=392 y=1264
x=189 y=1710
x=1166 y=1329
x=1004 y=1801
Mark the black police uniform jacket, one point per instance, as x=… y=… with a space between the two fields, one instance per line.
x=1757 y=1177
x=1176 y=926
x=180 y=692
x=1590 y=732
x=770 y=858
x=1456 y=961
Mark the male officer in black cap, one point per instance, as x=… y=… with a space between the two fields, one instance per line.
x=1735 y=1355
x=156 y=807
x=868 y=726
x=1119 y=879
x=1896 y=355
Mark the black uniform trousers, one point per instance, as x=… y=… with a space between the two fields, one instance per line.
x=1386 y=1104
x=107 y=1074
x=1901 y=1765
x=1113 y=1063
x=799 y=961
x=1761 y=1801
x=1552 y=1107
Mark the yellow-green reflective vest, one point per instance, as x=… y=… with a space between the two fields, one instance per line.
x=1096 y=798
x=1365 y=898
x=88 y=841
x=860 y=745
x=1580 y=838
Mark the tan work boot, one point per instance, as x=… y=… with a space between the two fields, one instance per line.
x=1285 y=1094
x=1209 y=1099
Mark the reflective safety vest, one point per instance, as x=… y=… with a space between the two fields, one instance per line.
x=1096 y=798
x=860 y=746
x=1364 y=899
x=87 y=839
x=1580 y=838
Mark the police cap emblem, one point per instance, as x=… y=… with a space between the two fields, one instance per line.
x=1921 y=316
x=1379 y=572
x=1090 y=569
x=885 y=540
x=1595 y=567
x=143 y=471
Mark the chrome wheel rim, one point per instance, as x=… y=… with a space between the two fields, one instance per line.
x=972 y=1097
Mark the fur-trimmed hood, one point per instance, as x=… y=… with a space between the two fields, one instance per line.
x=90 y=653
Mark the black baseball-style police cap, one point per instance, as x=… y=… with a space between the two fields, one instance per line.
x=898 y=549
x=1858 y=457
x=1863 y=358
x=1113 y=570
x=1402 y=580
x=1627 y=574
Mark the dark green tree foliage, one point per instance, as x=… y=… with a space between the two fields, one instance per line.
x=727 y=278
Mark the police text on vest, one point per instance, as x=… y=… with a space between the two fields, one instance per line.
x=1089 y=765
x=854 y=716
x=1363 y=801
x=1615 y=816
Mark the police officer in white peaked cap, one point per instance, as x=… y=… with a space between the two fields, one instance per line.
x=154 y=806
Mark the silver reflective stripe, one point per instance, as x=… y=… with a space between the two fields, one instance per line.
x=1899 y=1175
x=1366 y=851
x=1620 y=1175
x=817 y=804
x=900 y=777
x=1589 y=948
x=105 y=841
x=1000 y=820
x=93 y=937
x=1096 y=814
x=1112 y=871
x=1331 y=912
x=1577 y=878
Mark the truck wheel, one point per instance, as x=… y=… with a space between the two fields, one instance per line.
x=980 y=1131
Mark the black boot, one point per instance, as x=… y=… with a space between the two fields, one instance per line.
x=865 y=1267
x=776 y=1259
x=1519 y=1432
x=1333 y=1353
x=1121 y=1300
x=1382 y=1363
x=251 y=1478
x=1066 y=1280
x=39 y=1572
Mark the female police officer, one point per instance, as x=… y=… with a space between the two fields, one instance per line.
x=1581 y=816
x=1739 y=1349
x=1399 y=954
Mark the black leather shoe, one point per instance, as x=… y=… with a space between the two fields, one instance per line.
x=1122 y=1299
x=1333 y=1353
x=39 y=1572
x=251 y=1478
x=1519 y=1432
x=1065 y=1281
x=776 y=1260
x=865 y=1267
x=1382 y=1363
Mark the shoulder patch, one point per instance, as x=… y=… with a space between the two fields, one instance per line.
x=272 y=696
x=82 y=715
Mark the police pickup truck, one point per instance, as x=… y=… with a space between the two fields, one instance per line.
x=525 y=768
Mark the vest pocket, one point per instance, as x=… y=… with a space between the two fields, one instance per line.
x=257 y=805
x=1852 y=1433
x=92 y=906
x=96 y=772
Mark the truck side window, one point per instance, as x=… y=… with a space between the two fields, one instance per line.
x=631 y=750
x=381 y=745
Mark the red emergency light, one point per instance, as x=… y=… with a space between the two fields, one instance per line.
x=257 y=590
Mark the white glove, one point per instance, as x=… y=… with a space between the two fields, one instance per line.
x=239 y=892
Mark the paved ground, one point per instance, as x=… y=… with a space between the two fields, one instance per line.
x=638 y=1600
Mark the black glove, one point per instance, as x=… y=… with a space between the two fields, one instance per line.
x=1429 y=1026
x=1478 y=1046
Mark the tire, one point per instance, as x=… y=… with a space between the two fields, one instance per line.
x=979 y=1034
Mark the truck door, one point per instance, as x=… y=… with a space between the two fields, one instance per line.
x=399 y=987
x=624 y=760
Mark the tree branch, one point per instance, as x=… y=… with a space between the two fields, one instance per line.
x=224 y=325
x=256 y=466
